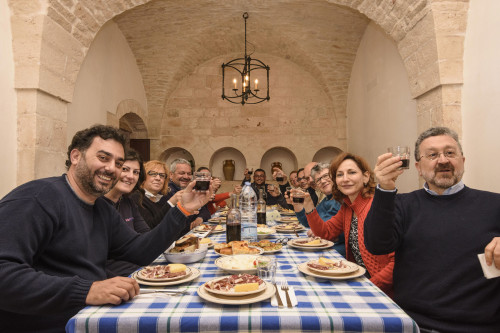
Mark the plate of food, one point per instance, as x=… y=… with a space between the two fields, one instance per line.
x=263 y=232
x=306 y=270
x=290 y=228
x=268 y=246
x=163 y=273
x=288 y=219
x=236 y=285
x=218 y=219
x=267 y=293
x=310 y=243
x=236 y=247
x=332 y=266
x=238 y=264
x=195 y=273
x=287 y=212
x=206 y=227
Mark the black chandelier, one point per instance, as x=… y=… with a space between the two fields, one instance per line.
x=245 y=68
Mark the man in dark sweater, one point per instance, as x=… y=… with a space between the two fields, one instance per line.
x=437 y=233
x=272 y=194
x=56 y=234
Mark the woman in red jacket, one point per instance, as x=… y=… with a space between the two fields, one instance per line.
x=354 y=187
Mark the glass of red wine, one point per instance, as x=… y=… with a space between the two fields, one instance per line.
x=202 y=181
x=403 y=152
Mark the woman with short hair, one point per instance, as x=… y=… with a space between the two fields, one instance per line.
x=354 y=187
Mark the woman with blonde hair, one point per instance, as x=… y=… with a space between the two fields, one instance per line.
x=151 y=199
x=353 y=186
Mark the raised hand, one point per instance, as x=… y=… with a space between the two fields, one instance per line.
x=194 y=200
x=387 y=170
x=112 y=291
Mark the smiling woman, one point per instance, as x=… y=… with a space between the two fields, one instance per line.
x=132 y=174
x=150 y=198
x=354 y=186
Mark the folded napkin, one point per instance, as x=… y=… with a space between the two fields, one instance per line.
x=489 y=271
x=291 y=292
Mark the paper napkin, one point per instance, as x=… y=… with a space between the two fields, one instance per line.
x=291 y=292
x=489 y=271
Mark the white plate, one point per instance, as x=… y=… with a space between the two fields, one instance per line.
x=140 y=276
x=304 y=269
x=194 y=274
x=310 y=248
x=288 y=219
x=228 y=263
x=216 y=220
x=250 y=254
x=350 y=267
x=203 y=230
x=232 y=292
x=236 y=300
x=282 y=229
x=323 y=242
x=271 y=251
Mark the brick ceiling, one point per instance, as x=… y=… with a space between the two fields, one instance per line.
x=169 y=38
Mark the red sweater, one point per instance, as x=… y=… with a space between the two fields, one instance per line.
x=380 y=267
x=219 y=201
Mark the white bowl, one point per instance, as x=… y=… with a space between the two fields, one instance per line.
x=186 y=258
x=238 y=263
x=264 y=232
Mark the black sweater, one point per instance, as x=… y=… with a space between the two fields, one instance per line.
x=53 y=246
x=438 y=279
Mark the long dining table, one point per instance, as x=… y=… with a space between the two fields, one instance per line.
x=324 y=305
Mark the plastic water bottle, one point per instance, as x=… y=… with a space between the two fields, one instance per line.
x=248 y=210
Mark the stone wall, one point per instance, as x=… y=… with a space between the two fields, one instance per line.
x=299 y=116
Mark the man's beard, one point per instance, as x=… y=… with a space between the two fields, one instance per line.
x=85 y=178
x=444 y=181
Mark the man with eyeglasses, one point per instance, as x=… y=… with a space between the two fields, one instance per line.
x=305 y=185
x=181 y=175
x=437 y=233
x=328 y=207
x=275 y=197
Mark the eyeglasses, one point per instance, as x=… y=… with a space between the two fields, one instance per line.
x=301 y=178
x=325 y=177
x=154 y=174
x=449 y=154
x=283 y=241
x=259 y=176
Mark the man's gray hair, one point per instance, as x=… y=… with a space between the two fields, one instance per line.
x=174 y=163
x=435 y=131
x=318 y=168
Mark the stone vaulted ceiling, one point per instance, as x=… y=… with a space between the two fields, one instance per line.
x=169 y=38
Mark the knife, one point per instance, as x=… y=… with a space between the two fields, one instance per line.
x=280 y=302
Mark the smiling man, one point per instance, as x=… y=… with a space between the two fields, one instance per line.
x=437 y=233
x=56 y=234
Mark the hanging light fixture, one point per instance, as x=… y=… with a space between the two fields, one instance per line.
x=247 y=72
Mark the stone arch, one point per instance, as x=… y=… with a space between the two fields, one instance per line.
x=326 y=154
x=282 y=155
x=48 y=58
x=227 y=153
x=177 y=152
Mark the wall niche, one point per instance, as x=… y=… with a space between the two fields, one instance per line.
x=228 y=153
x=283 y=155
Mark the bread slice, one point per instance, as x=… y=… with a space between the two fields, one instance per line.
x=246 y=287
x=325 y=261
x=176 y=268
x=226 y=251
x=240 y=247
x=314 y=242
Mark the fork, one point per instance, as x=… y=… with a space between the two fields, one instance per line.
x=285 y=288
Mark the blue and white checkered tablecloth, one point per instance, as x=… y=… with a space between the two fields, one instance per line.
x=323 y=305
